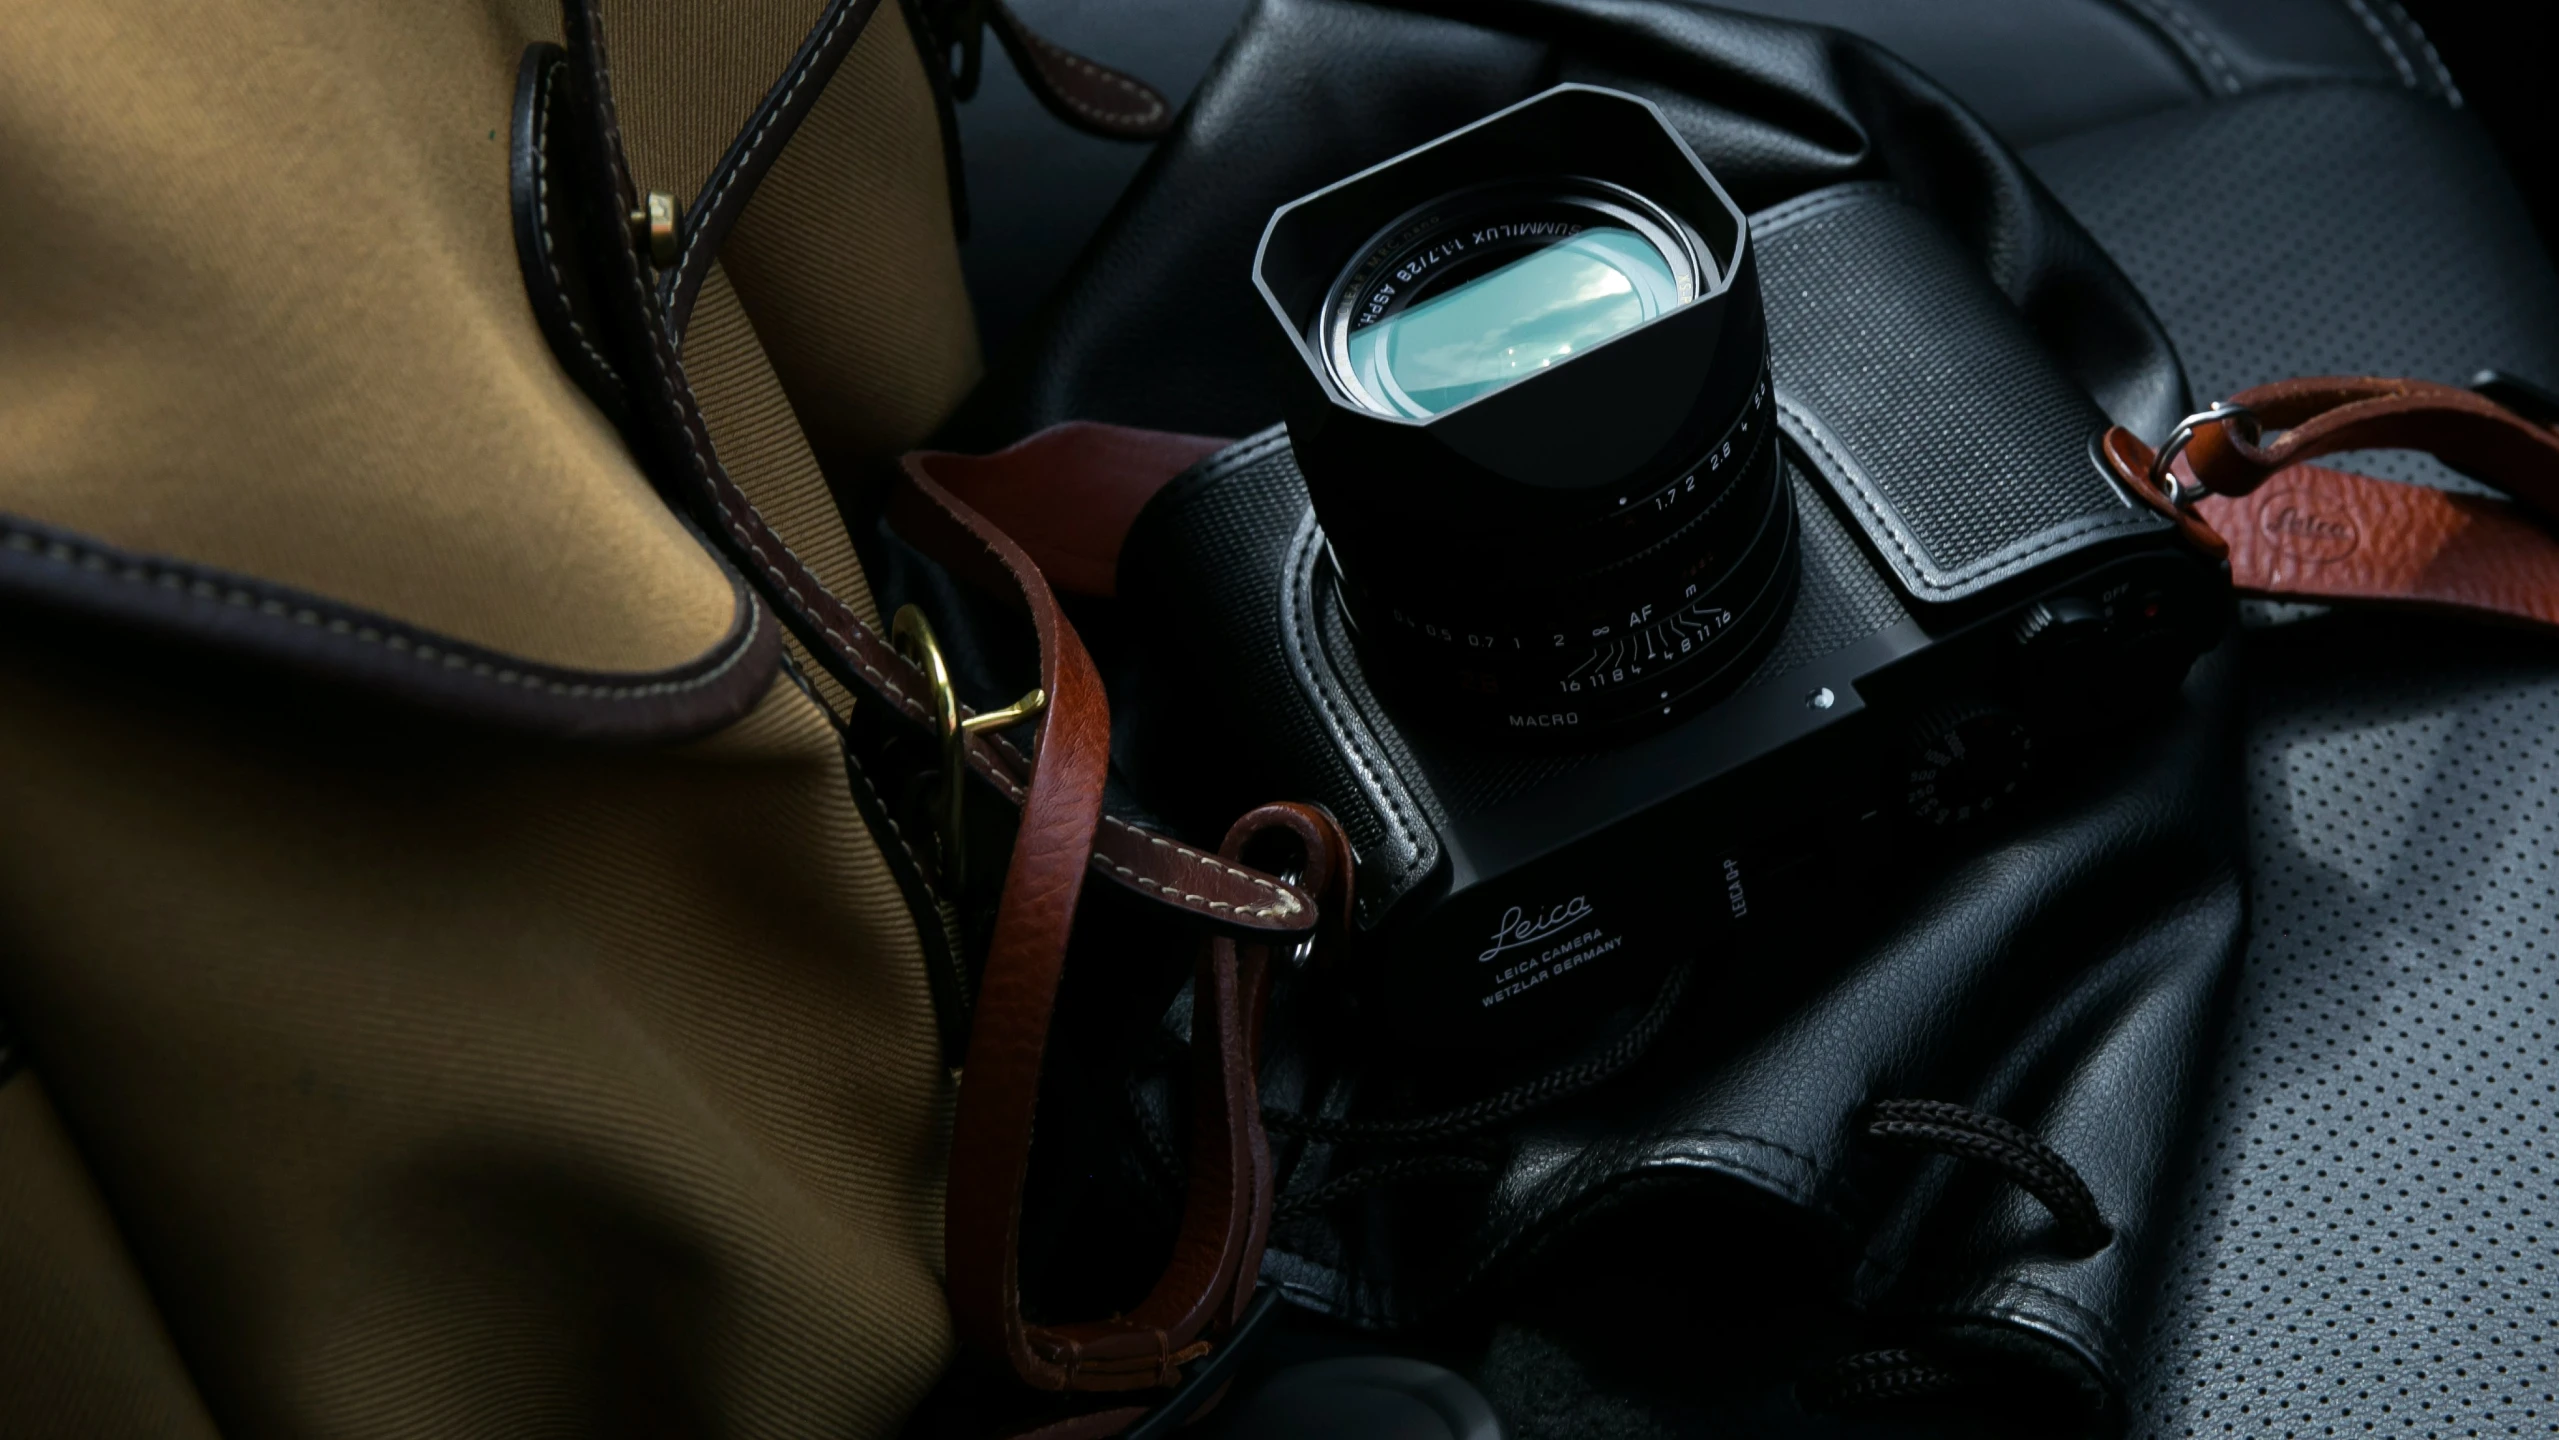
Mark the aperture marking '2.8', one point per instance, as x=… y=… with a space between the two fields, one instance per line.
x=1531 y=403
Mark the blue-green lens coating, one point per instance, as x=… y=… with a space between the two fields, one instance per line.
x=1537 y=311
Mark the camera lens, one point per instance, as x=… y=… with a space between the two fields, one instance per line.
x=1440 y=312
x=1528 y=388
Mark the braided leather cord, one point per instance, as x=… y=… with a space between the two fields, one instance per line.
x=2029 y=1163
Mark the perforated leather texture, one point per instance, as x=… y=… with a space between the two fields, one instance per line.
x=2367 y=1243
x=2339 y=229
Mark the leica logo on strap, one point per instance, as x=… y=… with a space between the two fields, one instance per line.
x=2308 y=535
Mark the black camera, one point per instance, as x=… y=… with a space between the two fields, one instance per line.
x=1625 y=565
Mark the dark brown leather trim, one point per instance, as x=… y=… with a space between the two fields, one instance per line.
x=63 y=570
x=1086 y=94
x=674 y=440
x=547 y=200
x=714 y=212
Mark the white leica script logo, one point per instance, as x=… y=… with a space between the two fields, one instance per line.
x=1519 y=928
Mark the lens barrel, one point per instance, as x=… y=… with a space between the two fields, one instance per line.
x=1526 y=378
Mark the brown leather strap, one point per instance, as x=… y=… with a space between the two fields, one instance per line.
x=690 y=469
x=1061 y=837
x=2301 y=531
x=2327 y=414
x=1090 y=96
x=2313 y=533
x=1070 y=493
x=1226 y=1210
x=1100 y=476
x=1085 y=94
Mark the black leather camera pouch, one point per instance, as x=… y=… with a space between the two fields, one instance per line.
x=1718 y=1068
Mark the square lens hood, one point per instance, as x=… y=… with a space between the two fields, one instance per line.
x=1633 y=408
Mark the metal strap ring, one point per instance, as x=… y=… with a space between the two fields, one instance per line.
x=2162 y=479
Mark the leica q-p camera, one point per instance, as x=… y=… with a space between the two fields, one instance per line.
x=1628 y=570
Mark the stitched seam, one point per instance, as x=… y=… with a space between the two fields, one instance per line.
x=542 y=226
x=2426 y=43
x=1282 y=903
x=1332 y=717
x=1199 y=902
x=444 y=657
x=1154 y=102
x=684 y=265
x=722 y=491
x=1777 y=219
x=1866 y=493
x=720 y=488
x=2198 y=43
x=2382 y=37
x=862 y=773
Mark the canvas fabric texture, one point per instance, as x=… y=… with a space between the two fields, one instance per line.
x=392 y=1077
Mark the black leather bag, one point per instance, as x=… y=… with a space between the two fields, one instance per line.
x=1728 y=1210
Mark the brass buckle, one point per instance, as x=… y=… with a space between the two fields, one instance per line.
x=913 y=635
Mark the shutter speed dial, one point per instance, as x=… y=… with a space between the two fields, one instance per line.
x=1964 y=762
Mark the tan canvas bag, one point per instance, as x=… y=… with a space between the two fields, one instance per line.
x=452 y=985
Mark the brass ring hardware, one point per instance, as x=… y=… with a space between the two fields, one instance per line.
x=914 y=638
x=656 y=227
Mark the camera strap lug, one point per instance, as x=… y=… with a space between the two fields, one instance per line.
x=2235 y=479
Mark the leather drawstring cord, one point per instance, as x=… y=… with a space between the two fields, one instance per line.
x=1877 y=1377
x=1937 y=1127
x=2027 y=1162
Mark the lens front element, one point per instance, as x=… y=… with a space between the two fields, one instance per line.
x=1570 y=293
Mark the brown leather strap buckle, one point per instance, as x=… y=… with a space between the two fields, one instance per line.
x=915 y=640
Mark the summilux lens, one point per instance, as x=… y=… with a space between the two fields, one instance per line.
x=1441 y=311
x=1530 y=398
